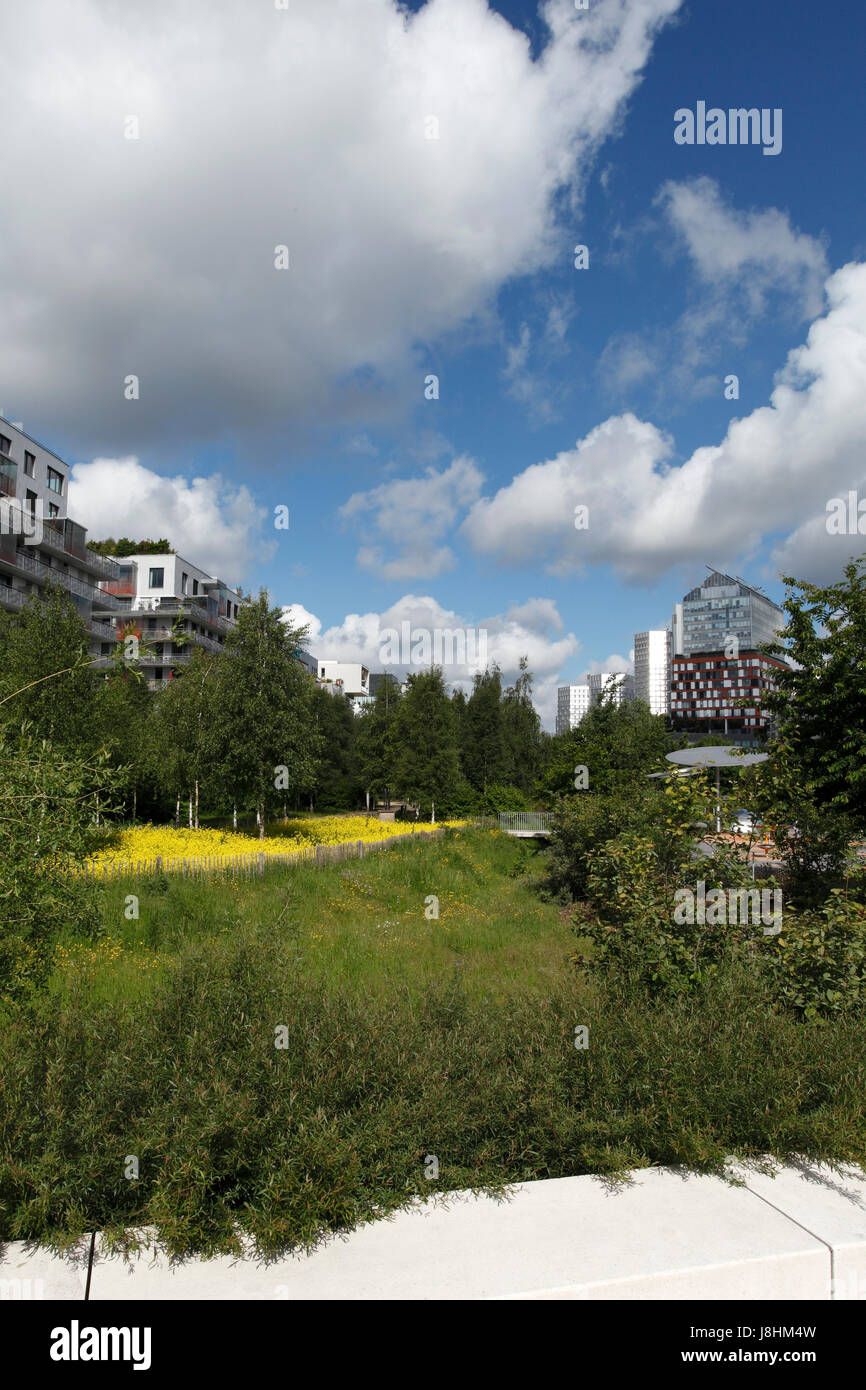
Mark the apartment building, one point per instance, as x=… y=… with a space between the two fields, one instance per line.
x=39 y=543
x=652 y=669
x=172 y=606
x=349 y=678
x=714 y=694
x=572 y=703
x=618 y=684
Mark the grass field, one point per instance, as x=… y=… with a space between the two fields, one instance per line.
x=285 y=1056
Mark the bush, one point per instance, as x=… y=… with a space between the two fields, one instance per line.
x=818 y=962
x=47 y=826
x=234 y=1134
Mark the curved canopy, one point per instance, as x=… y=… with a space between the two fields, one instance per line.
x=729 y=756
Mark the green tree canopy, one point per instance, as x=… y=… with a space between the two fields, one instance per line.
x=424 y=741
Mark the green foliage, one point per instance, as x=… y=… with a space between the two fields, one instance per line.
x=820 y=706
x=818 y=962
x=46 y=673
x=374 y=741
x=425 y=763
x=47 y=823
x=336 y=783
x=618 y=744
x=521 y=733
x=123 y=547
x=482 y=748
x=262 y=711
x=235 y=1136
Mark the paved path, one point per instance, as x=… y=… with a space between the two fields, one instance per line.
x=665 y=1235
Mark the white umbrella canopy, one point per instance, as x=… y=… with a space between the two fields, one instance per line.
x=728 y=755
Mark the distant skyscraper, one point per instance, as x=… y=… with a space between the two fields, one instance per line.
x=620 y=683
x=572 y=702
x=652 y=669
x=721 y=608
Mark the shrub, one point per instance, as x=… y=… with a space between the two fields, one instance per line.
x=47 y=824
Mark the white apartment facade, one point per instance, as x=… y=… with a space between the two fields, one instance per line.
x=172 y=606
x=652 y=669
x=619 y=684
x=349 y=678
x=572 y=703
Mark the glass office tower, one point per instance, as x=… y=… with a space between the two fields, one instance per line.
x=720 y=608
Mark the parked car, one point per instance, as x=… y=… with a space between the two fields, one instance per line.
x=746 y=823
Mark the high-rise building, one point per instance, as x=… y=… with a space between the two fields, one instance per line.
x=618 y=684
x=652 y=669
x=572 y=702
x=722 y=608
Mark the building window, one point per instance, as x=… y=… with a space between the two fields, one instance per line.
x=29 y=464
x=55 y=481
x=184 y=581
x=157 y=578
x=5 y=444
x=53 y=510
x=195 y=586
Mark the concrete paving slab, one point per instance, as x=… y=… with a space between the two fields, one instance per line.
x=831 y=1206
x=28 y=1274
x=663 y=1236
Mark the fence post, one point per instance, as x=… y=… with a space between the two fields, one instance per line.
x=261 y=864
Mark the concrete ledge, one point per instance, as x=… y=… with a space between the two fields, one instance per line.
x=664 y=1235
x=27 y=1274
x=832 y=1206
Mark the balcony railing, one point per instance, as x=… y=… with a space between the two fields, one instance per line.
x=48 y=575
x=13 y=598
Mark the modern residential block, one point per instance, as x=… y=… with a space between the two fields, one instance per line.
x=706 y=689
x=349 y=678
x=572 y=702
x=172 y=606
x=619 y=684
x=39 y=543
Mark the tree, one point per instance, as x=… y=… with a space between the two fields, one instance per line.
x=424 y=743
x=617 y=744
x=820 y=702
x=483 y=747
x=122 y=717
x=373 y=743
x=46 y=827
x=336 y=784
x=184 y=732
x=264 y=740
x=521 y=732
x=46 y=672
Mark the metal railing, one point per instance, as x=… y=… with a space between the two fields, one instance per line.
x=48 y=574
x=525 y=822
x=13 y=598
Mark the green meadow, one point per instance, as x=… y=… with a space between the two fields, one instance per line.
x=287 y=1056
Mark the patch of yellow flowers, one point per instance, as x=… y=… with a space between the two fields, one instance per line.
x=147 y=842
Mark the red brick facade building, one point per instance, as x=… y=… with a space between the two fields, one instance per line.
x=715 y=694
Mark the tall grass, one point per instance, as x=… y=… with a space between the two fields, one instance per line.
x=458 y=1044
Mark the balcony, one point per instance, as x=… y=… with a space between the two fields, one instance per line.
x=46 y=574
x=119 y=587
x=13 y=598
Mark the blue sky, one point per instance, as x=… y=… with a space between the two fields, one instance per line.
x=453 y=256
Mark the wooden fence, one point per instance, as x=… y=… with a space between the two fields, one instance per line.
x=246 y=865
